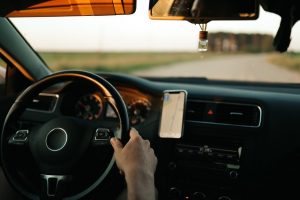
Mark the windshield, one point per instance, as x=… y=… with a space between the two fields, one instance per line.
x=134 y=44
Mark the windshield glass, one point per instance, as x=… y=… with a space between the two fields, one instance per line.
x=2 y=71
x=134 y=44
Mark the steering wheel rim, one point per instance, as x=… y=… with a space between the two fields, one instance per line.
x=25 y=97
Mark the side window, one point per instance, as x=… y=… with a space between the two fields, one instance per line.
x=2 y=71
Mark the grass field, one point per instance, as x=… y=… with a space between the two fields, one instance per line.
x=130 y=62
x=287 y=60
x=2 y=63
x=117 y=62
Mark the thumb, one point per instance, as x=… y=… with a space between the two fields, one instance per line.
x=116 y=144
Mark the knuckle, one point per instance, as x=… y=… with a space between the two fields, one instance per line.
x=133 y=130
x=136 y=139
x=147 y=142
x=152 y=152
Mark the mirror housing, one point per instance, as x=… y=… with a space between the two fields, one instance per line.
x=203 y=11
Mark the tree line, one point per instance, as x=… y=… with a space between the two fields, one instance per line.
x=241 y=42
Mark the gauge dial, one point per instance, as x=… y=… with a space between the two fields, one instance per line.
x=89 y=107
x=138 y=111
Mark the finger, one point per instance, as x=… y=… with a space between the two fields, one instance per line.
x=152 y=151
x=147 y=143
x=116 y=144
x=134 y=133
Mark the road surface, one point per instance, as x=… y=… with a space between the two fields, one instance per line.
x=249 y=67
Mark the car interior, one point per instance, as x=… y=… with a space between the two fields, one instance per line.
x=214 y=139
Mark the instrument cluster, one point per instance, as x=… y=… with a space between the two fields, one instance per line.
x=92 y=106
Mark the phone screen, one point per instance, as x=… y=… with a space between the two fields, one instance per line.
x=172 y=116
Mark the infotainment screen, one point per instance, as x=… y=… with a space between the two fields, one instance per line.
x=172 y=116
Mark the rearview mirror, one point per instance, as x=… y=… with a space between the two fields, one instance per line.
x=203 y=11
x=48 y=8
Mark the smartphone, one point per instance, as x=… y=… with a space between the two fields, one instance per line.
x=172 y=115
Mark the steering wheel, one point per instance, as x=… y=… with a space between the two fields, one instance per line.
x=60 y=148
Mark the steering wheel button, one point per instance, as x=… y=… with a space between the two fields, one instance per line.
x=20 y=137
x=102 y=134
x=224 y=198
x=102 y=137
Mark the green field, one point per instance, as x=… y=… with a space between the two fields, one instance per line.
x=288 y=60
x=117 y=62
x=130 y=62
x=2 y=63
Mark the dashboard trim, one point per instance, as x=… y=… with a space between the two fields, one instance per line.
x=226 y=124
x=56 y=96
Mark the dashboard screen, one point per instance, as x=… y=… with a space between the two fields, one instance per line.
x=171 y=123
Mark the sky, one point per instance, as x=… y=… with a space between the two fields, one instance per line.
x=134 y=32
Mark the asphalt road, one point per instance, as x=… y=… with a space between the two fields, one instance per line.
x=249 y=67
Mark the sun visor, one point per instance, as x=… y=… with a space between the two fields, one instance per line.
x=53 y=8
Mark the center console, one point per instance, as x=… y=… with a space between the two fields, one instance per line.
x=206 y=162
x=204 y=171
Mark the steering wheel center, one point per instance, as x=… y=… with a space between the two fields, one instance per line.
x=56 y=139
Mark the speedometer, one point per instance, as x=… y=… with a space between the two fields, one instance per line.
x=138 y=111
x=89 y=107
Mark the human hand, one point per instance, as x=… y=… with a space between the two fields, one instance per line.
x=138 y=163
x=136 y=158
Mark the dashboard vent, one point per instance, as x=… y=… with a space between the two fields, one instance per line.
x=44 y=102
x=224 y=113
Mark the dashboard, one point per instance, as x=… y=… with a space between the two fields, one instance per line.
x=90 y=104
x=239 y=141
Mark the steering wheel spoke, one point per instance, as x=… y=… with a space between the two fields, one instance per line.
x=53 y=186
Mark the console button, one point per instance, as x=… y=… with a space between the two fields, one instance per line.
x=210 y=113
x=224 y=198
x=198 y=196
x=174 y=194
x=220 y=156
x=233 y=174
x=190 y=151
x=180 y=150
x=172 y=166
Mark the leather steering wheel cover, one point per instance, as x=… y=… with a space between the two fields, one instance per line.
x=26 y=96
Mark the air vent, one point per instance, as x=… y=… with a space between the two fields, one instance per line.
x=44 y=102
x=195 y=110
x=234 y=114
